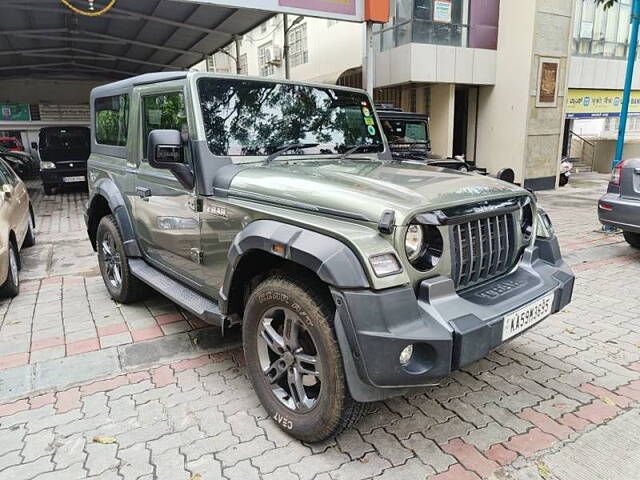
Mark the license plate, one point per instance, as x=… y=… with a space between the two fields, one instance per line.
x=522 y=319
x=73 y=179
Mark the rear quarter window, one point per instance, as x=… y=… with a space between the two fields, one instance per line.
x=112 y=120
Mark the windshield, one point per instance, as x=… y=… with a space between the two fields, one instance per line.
x=64 y=138
x=8 y=143
x=252 y=118
x=406 y=131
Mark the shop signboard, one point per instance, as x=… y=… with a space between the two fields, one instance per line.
x=599 y=103
x=15 y=112
x=442 y=11
x=350 y=10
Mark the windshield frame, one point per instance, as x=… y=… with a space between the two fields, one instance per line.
x=384 y=152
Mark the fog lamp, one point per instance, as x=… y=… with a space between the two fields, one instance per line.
x=406 y=354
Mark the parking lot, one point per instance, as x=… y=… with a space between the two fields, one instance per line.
x=93 y=389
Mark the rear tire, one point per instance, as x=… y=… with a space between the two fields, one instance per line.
x=114 y=266
x=563 y=180
x=632 y=239
x=310 y=407
x=30 y=239
x=11 y=286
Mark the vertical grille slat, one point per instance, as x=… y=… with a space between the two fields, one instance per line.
x=483 y=249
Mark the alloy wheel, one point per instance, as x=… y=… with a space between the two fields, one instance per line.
x=112 y=260
x=289 y=359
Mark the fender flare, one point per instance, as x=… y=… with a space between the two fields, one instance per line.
x=107 y=189
x=333 y=261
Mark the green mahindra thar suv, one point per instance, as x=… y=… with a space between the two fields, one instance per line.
x=277 y=206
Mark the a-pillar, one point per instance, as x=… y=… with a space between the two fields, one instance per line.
x=443 y=100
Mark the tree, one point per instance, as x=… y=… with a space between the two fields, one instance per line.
x=607 y=3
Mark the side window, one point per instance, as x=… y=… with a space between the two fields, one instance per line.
x=165 y=111
x=7 y=177
x=112 y=120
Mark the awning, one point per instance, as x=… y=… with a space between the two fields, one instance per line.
x=44 y=39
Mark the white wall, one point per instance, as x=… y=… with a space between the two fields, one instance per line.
x=333 y=47
x=600 y=73
x=417 y=62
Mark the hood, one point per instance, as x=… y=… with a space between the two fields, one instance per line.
x=366 y=188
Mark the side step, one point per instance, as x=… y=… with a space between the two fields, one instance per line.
x=175 y=291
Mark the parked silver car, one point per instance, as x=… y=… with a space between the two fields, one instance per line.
x=620 y=206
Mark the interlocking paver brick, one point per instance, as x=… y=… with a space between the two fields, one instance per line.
x=456 y=472
x=242 y=451
x=529 y=443
x=483 y=438
x=242 y=471
x=388 y=446
x=369 y=466
x=27 y=470
x=310 y=466
x=278 y=457
x=352 y=443
x=429 y=452
x=498 y=453
x=470 y=458
x=135 y=461
x=546 y=424
x=69 y=450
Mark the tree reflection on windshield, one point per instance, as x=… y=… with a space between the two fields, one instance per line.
x=245 y=117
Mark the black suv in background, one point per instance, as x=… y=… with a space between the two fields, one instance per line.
x=64 y=152
x=408 y=136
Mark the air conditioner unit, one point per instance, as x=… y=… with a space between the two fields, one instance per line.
x=275 y=55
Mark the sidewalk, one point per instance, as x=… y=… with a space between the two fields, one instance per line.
x=180 y=404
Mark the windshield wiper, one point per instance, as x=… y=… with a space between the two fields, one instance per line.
x=285 y=148
x=356 y=148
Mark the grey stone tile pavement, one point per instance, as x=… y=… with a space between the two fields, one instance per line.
x=559 y=402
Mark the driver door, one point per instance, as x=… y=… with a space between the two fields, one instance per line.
x=166 y=217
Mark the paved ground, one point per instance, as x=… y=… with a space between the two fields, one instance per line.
x=78 y=371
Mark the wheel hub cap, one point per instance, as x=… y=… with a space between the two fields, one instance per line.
x=289 y=359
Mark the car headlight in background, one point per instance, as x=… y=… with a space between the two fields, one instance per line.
x=47 y=165
x=385 y=264
x=544 y=228
x=423 y=245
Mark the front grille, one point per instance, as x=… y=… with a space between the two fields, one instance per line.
x=482 y=249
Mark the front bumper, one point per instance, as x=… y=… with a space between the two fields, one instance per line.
x=448 y=329
x=617 y=211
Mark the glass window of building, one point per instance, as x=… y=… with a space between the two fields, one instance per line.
x=599 y=32
x=298 y=51
x=459 y=23
x=264 y=59
x=243 y=65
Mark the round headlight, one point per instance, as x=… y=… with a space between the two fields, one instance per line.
x=413 y=242
x=424 y=245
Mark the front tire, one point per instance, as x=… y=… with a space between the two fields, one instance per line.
x=294 y=361
x=30 y=239
x=632 y=239
x=114 y=266
x=11 y=286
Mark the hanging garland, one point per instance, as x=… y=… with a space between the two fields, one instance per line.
x=89 y=13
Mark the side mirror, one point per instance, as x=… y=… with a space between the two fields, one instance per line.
x=7 y=190
x=164 y=149
x=34 y=145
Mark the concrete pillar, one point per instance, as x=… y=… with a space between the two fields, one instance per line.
x=514 y=130
x=421 y=102
x=443 y=97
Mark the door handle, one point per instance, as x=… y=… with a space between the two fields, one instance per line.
x=143 y=192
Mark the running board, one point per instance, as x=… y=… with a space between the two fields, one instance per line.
x=188 y=299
